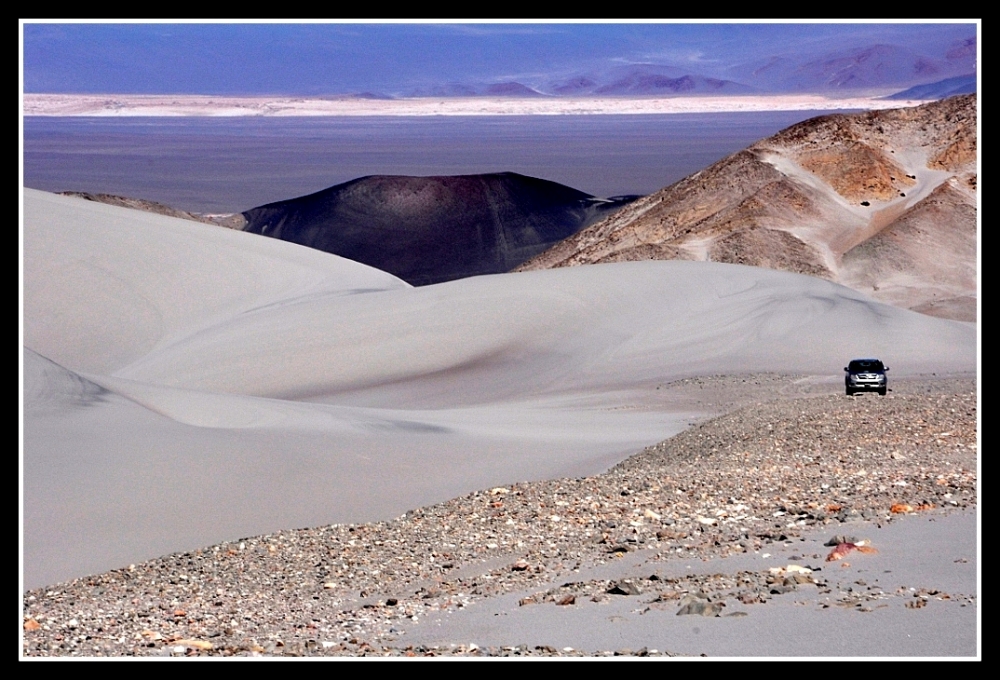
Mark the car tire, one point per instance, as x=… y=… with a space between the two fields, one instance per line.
x=850 y=392
x=882 y=391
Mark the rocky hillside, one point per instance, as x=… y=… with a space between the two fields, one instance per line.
x=231 y=221
x=881 y=201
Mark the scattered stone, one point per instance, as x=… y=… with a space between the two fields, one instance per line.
x=699 y=607
x=624 y=587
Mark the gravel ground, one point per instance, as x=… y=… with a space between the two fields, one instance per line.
x=782 y=463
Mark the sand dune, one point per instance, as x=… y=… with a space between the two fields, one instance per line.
x=102 y=287
x=186 y=384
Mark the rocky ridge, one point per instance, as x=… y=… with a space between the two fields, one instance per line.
x=231 y=221
x=812 y=198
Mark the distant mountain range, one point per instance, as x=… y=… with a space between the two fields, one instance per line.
x=868 y=68
x=639 y=83
x=876 y=67
x=432 y=229
x=883 y=202
x=949 y=87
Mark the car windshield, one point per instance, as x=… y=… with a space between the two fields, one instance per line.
x=864 y=366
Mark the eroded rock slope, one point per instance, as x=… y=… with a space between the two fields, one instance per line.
x=881 y=201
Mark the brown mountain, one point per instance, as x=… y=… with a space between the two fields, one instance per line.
x=883 y=202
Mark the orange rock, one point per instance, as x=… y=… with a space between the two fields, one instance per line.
x=899 y=508
x=843 y=549
x=840 y=552
x=31 y=624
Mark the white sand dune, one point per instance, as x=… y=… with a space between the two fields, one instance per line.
x=186 y=384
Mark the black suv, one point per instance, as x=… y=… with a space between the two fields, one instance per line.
x=865 y=374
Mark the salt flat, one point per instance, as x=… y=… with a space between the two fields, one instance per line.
x=186 y=384
x=204 y=105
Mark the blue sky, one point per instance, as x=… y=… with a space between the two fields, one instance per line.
x=314 y=59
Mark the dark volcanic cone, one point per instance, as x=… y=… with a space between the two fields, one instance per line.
x=432 y=229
